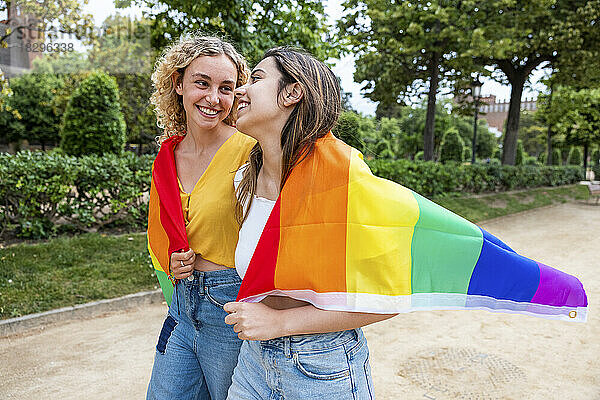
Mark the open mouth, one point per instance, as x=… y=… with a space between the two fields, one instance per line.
x=208 y=112
x=242 y=105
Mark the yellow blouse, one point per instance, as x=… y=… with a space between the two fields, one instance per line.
x=209 y=210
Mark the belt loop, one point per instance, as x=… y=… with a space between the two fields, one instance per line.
x=201 y=282
x=287 y=347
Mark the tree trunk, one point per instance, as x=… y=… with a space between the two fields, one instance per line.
x=549 y=158
x=429 y=136
x=509 y=146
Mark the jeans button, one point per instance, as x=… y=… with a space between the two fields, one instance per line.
x=190 y=278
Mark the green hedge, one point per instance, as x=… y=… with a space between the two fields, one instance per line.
x=432 y=179
x=596 y=169
x=43 y=193
x=47 y=193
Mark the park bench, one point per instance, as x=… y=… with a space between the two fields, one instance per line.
x=594 y=191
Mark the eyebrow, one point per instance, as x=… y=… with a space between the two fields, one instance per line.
x=208 y=78
x=257 y=70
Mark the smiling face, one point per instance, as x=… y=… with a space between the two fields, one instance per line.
x=207 y=89
x=261 y=107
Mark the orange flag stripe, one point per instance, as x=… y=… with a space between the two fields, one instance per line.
x=317 y=219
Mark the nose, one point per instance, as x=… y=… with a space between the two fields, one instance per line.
x=240 y=91
x=213 y=98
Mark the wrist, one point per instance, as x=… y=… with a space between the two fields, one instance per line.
x=284 y=324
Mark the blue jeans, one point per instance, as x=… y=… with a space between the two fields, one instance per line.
x=196 y=351
x=321 y=366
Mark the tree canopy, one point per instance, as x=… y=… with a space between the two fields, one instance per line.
x=407 y=48
x=253 y=27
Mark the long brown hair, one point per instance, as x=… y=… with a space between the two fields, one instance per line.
x=312 y=117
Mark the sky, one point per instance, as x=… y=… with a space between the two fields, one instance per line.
x=344 y=67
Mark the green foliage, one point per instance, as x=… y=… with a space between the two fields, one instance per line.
x=124 y=47
x=405 y=48
x=452 y=147
x=596 y=157
x=574 y=157
x=517 y=37
x=596 y=169
x=253 y=27
x=433 y=179
x=556 y=157
x=497 y=153
x=532 y=133
x=486 y=143
x=467 y=153
x=41 y=190
x=530 y=160
x=140 y=120
x=542 y=158
x=347 y=129
x=520 y=153
x=93 y=122
x=66 y=15
x=419 y=156
x=34 y=99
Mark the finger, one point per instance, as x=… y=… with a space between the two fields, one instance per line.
x=237 y=328
x=231 y=307
x=182 y=272
x=231 y=319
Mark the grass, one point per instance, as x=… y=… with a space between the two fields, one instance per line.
x=480 y=208
x=74 y=270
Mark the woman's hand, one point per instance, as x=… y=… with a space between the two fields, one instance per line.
x=182 y=264
x=254 y=321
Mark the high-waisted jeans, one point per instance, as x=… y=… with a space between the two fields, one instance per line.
x=303 y=367
x=196 y=351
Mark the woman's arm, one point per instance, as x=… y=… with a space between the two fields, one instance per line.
x=256 y=321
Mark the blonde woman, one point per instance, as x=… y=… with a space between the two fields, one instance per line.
x=195 y=104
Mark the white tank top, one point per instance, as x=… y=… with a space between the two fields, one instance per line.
x=252 y=228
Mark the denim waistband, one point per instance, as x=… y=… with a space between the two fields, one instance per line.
x=212 y=278
x=314 y=341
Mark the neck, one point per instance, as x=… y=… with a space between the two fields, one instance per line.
x=197 y=140
x=272 y=154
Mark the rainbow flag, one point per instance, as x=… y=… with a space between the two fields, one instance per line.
x=343 y=239
x=166 y=227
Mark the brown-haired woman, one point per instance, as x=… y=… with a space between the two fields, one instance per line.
x=290 y=101
x=195 y=105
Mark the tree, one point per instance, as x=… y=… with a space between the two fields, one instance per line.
x=347 y=129
x=253 y=27
x=123 y=47
x=556 y=157
x=574 y=157
x=404 y=48
x=517 y=37
x=93 y=122
x=579 y=120
x=34 y=99
x=531 y=133
x=521 y=155
x=452 y=147
x=37 y=18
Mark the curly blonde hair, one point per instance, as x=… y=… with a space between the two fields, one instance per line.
x=168 y=105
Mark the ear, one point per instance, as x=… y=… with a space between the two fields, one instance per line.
x=176 y=78
x=292 y=94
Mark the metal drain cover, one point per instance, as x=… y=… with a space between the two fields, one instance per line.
x=461 y=373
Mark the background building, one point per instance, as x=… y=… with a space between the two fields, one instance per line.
x=495 y=113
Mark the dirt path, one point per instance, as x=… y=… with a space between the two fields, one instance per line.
x=425 y=355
